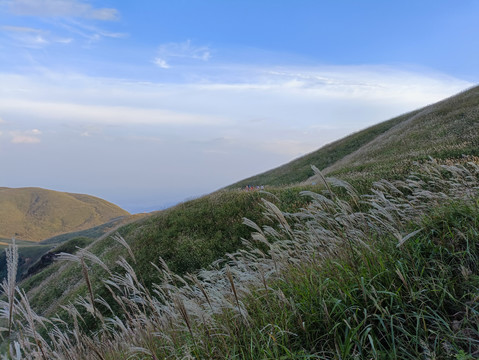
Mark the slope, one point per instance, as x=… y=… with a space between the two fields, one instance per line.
x=447 y=129
x=36 y=214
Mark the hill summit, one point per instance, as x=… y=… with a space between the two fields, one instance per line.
x=36 y=214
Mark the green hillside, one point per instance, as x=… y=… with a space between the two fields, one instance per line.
x=196 y=233
x=36 y=214
x=188 y=236
x=447 y=129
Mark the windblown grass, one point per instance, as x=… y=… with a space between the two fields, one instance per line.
x=392 y=274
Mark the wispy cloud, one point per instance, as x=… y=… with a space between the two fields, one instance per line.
x=180 y=51
x=32 y=37
x=161 y=63
x=113 y=115
x=88 y=32
x=25 y=137
x=21 y=29
x=62 y=8
x=301 y=109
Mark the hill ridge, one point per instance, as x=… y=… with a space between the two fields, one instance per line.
x=448 y=129
x=336 y=157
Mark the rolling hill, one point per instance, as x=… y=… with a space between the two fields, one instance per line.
x=35 y=214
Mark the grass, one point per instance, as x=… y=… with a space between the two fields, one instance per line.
x=386 y=275
x=447 y=130
x=92 y=233
x=28 y=255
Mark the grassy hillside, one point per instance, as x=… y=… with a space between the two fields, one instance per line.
x=447 y=129
x=294 y=263
x=188 y=237
x=387 y=275
x=36 y=214
x=196 y=233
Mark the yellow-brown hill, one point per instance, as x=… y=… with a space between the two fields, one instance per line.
x=36 y=214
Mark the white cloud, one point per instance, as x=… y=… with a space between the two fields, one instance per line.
x=88 y=31
x=300 y=109
x=25 y=137
x=62 y=8
x=33 y=38
x=180 y=51
x=161 y=63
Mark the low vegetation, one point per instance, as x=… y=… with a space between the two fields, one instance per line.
x=208 y=227
x=445 y=130
x=390 y=274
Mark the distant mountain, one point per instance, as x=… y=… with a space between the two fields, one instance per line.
x=36 y=214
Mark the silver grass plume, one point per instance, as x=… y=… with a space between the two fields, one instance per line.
x=9 y=283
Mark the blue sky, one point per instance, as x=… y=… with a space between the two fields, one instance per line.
x=148 y=103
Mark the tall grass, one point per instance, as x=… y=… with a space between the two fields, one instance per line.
x=392 y=274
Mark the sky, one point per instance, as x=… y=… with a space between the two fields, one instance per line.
x=148 y=103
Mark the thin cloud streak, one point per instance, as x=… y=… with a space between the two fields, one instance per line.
x=181 y=51
x=24 y=139
x=21 y=29
x=117 y=115
x=61 y=8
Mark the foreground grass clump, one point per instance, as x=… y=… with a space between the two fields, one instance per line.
x=390 y=275
x=419 y=300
